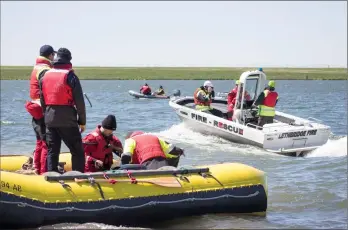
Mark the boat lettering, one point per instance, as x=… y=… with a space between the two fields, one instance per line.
x=7 y=185
x=298 y=134
x=228 y=127
x=199 y=118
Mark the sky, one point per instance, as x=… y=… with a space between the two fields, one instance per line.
x=209 y=33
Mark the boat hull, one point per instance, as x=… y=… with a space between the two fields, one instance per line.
x=33 y=200
x=140 y=95
x=281 y=138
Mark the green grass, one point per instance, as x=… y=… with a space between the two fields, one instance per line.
x=183 y=73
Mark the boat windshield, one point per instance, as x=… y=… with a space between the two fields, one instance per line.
x=251 y=87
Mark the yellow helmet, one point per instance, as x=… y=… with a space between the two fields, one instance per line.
x=271 y=84
x=237 y=82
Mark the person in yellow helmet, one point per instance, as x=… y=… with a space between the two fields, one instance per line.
x=267 y=101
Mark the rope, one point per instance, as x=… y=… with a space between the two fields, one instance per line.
x=151 y=203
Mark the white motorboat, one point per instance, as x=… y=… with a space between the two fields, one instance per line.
x=288 y=135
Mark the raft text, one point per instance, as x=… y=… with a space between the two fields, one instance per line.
x=14 y=187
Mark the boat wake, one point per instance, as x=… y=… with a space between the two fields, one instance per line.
x=333 y=148
x=85 y=226
x=182 y=135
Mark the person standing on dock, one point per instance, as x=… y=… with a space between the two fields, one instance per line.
x=267 y=101
x=62 y=100
x=43 y=62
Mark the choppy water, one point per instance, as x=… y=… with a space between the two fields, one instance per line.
x=308 y=192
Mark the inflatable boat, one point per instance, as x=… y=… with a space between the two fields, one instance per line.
x=127 y=197
x=138 y=95
x=289 y=135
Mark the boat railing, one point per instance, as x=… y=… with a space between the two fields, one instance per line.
x=280 y=124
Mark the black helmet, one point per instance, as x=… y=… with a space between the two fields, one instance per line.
x=146 y=84
x=161 y=87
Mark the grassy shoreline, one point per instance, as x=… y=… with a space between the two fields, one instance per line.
x=183 y=73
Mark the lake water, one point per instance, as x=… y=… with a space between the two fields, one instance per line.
x=308 y=192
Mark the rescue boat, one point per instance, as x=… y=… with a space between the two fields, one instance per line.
x=127 y=197
x=289 y=135
x=138 y=95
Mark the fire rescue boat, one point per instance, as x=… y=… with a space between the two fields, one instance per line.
x=288 y=135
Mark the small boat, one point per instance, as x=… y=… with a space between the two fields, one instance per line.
x=138 y=95
x=289 y=135
x=127 y=196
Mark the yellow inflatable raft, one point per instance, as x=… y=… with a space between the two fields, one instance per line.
x=127 y=197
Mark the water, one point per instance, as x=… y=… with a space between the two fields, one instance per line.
x=308 y=192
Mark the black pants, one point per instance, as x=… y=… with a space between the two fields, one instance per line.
x=158 y=162
x=39 y=129
x=264 y=120
x=72 y=139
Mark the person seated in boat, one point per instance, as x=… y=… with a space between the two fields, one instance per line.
x=266 y=102
x=99 y=145
x=203 y=97
x=160 y=91
x=231 y=99
x=145 y=89
x=150 y=151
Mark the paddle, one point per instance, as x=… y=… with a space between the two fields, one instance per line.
x=124 y=173
x=164 y=181
x=88 y=99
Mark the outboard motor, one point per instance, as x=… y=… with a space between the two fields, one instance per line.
x=176 y=93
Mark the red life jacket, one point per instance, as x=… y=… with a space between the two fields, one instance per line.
x=55 y=88
x=41 y=64
x=145 y=89
x=198 y=102
x=231 y=97
x=147 y=147
x=270 y=98
x=97 y=138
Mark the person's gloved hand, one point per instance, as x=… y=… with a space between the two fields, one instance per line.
x=210 y=89
x=82 y=128
x=98 y=164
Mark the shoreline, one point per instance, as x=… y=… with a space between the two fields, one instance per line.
x=183 y=73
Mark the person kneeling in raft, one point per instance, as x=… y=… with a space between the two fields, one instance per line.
x=150 y=151
x=99 y=145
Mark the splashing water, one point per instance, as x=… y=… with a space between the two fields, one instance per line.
x=182 y=134
x=332 y=148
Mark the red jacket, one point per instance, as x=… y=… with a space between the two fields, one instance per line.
x=41 y=64
x=232 y=97
x=55 y=88
x=145 y=89
x=95 y=147
x=146 y=147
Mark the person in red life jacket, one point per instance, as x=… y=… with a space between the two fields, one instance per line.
x=267 y=101
x=231 y=99
x=64 y=109
x=145 y=89
x=150 y=151
x=203 y=97
x=100 y=144
x=33 y=107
